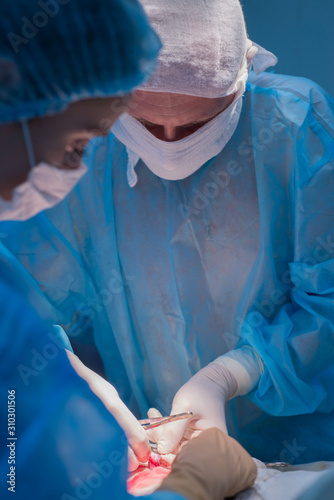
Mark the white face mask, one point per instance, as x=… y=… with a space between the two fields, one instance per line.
x=45 y=187
x=179 y=159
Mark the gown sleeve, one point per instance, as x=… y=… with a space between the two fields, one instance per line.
x=297 y=345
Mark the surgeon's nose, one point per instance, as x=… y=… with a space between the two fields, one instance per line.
x=170 y=133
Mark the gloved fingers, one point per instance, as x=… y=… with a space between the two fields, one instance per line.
x=82 y=370
x=171 y=435
x=155 y=433
x=137 y=438
x=154 y=436
x=191 y=434
x=178 y=448
x=197 y=426
x=136 y=435
x=133 y=462
x=154 y=413
x=139 y=442
x=217 y=422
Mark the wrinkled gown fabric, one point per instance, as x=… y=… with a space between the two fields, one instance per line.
x=67 y=444
x=166 y=276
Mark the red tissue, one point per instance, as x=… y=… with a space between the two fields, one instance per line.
x=148 y=478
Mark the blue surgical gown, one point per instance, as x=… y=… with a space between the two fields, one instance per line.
x=58 y=441
x=161 y=279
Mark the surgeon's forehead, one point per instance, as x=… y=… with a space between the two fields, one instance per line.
x=177 y=109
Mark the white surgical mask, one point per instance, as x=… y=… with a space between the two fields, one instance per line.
x=179 y=159
x=44 y=188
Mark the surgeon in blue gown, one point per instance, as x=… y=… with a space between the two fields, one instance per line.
x=54 y=431
x=58 y=439
x=195 y=259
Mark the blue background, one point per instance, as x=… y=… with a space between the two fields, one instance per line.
x=299 y=32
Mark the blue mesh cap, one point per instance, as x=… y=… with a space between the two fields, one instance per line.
x=56 y=52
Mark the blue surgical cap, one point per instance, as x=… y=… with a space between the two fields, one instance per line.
x=56 y=52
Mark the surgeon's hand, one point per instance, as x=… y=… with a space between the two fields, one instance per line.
x=204 y=395
x=211 y=467
x=140 y=450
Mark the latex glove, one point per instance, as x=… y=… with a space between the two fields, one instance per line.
x=205 y=395
x=154 y=435
x=140 y=450
x=211 y=467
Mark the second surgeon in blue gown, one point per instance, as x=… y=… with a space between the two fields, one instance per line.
x=164 y=277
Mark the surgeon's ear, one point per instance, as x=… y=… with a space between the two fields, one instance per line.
x=252 y=50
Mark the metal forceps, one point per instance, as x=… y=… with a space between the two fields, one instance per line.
x=151 y=423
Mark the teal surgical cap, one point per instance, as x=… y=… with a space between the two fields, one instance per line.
x=56 y=52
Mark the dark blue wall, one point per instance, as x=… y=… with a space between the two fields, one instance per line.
x=299 y=32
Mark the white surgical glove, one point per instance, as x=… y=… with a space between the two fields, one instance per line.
x=140 y=450
x=205 y=394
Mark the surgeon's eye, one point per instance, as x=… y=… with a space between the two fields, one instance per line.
x=72 y=159
x=192 y=126
x=146 y=124
x=195 y=125
x=74 y=153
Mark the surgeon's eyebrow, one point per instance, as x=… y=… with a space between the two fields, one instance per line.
x=199 y=122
